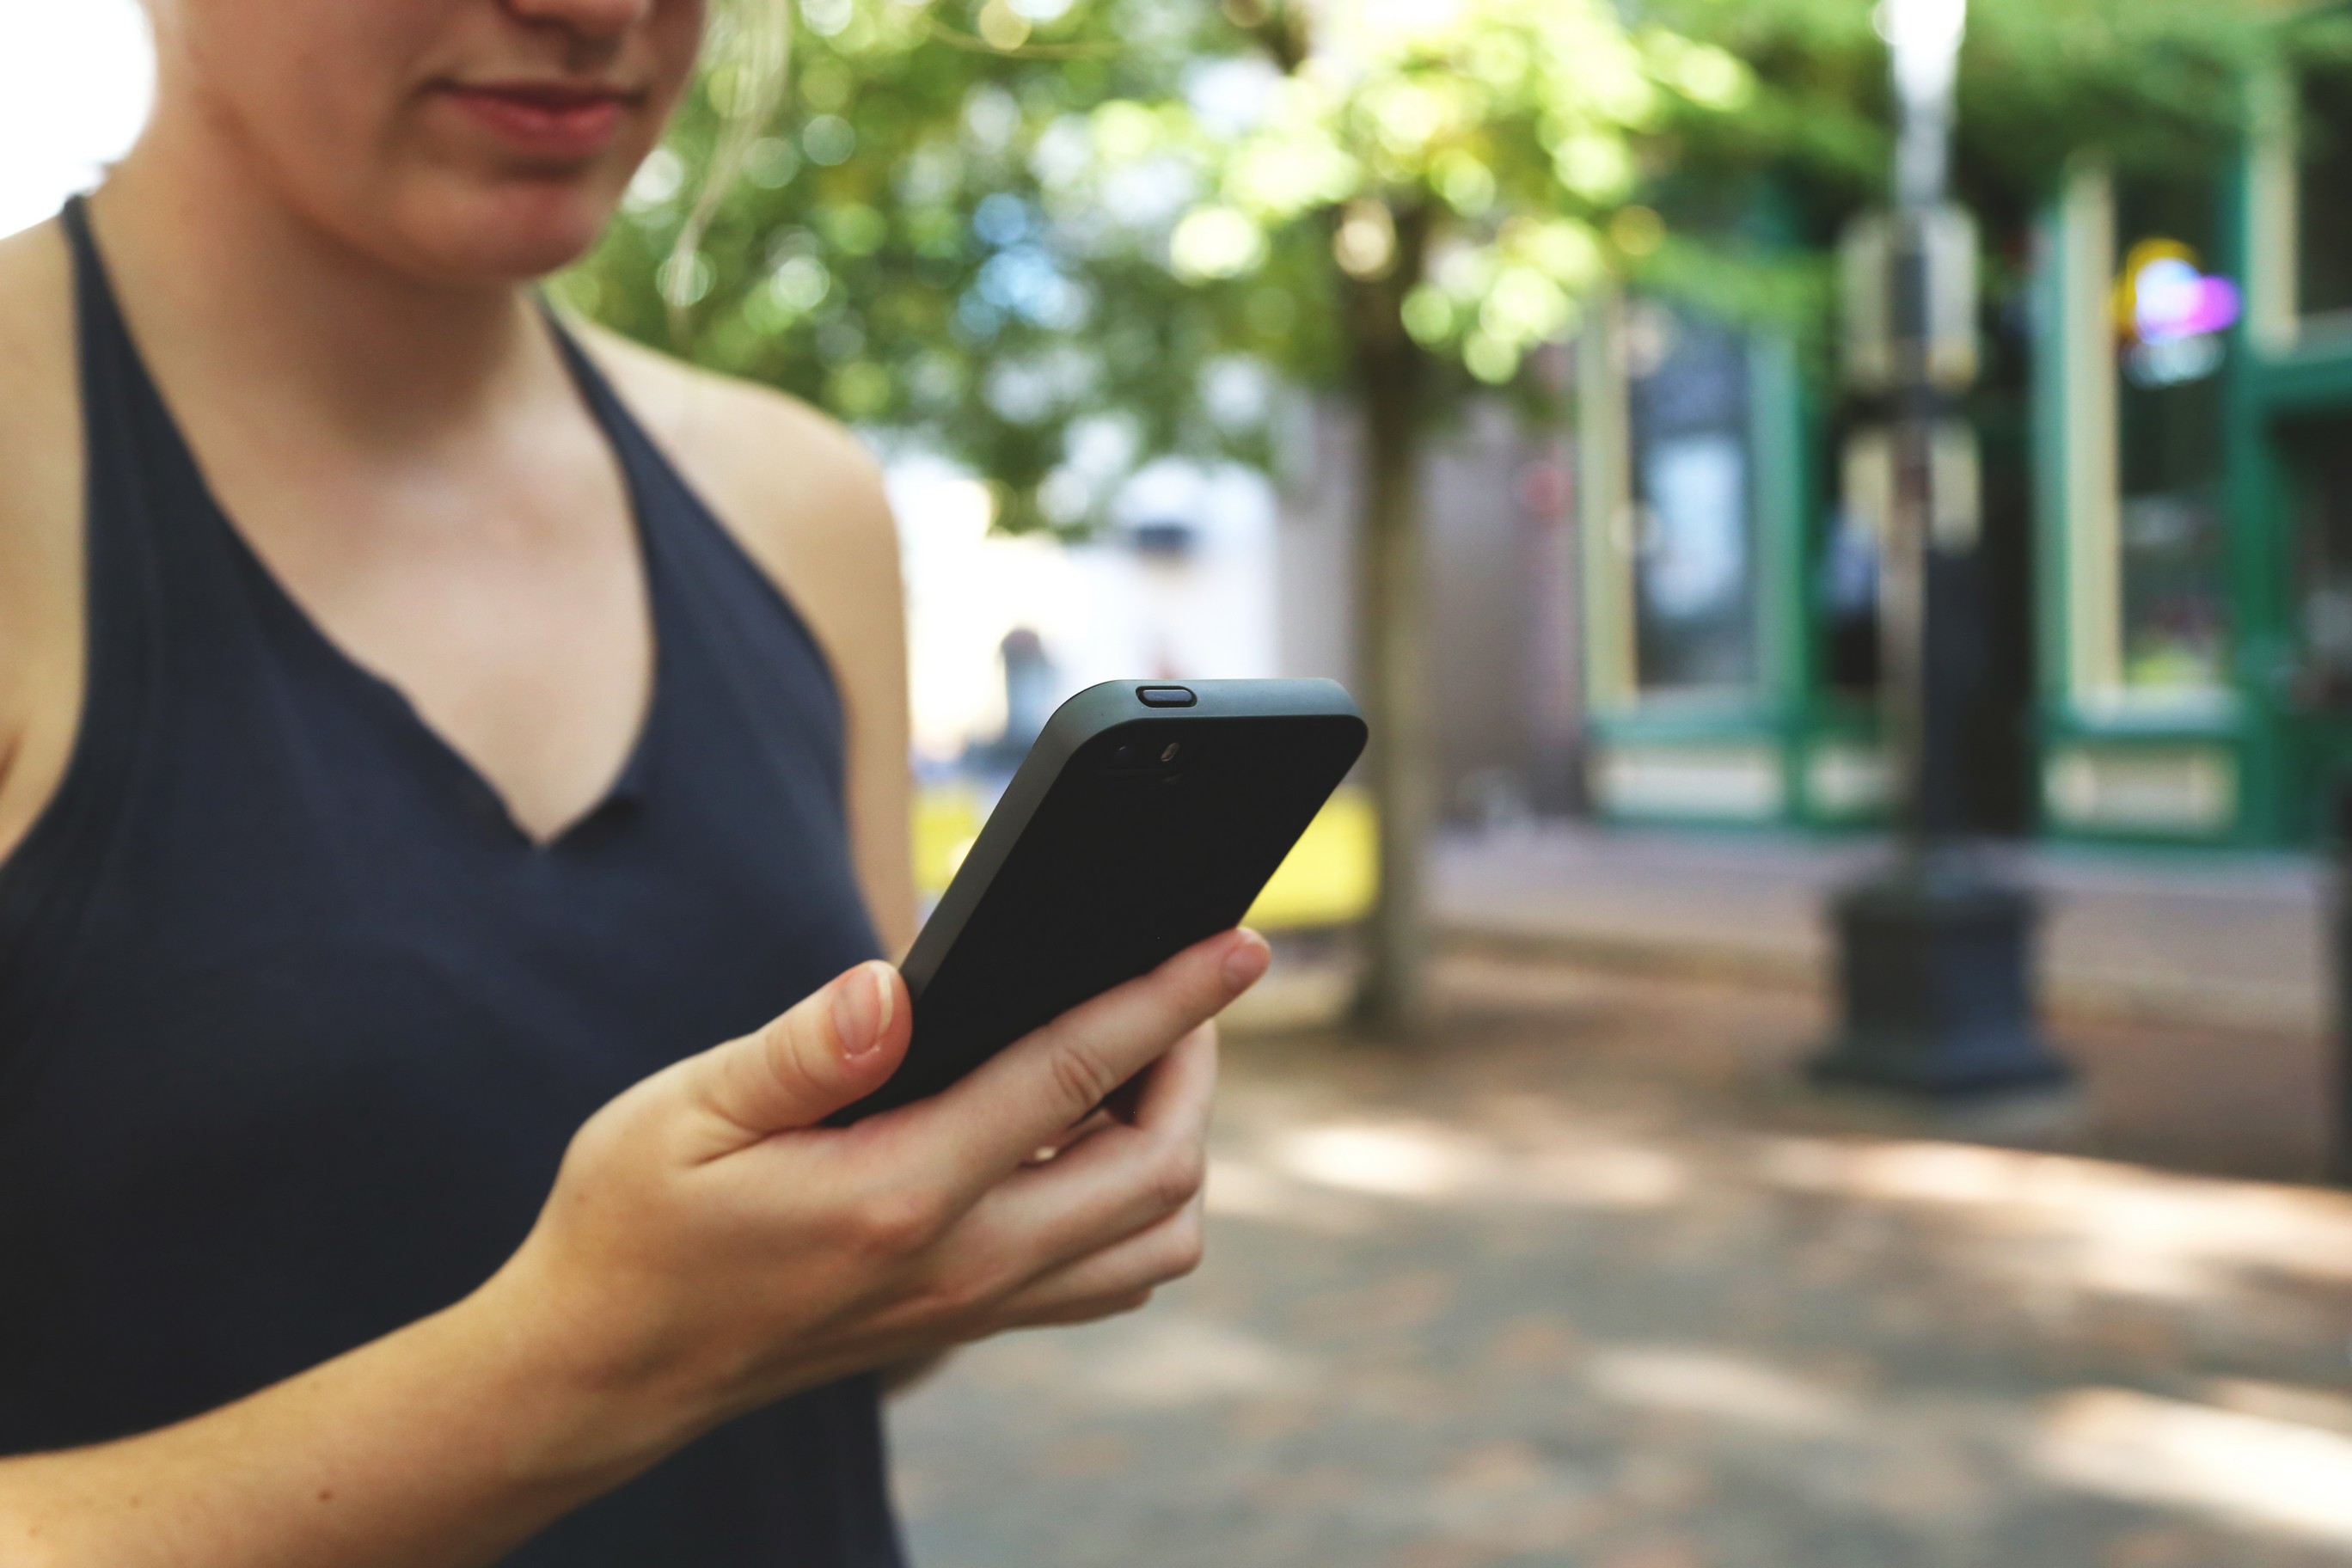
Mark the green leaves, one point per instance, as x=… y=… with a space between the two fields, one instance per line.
x=1000 y=229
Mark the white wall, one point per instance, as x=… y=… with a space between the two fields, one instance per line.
x=1206 y=616
x=1104 y=611
x=75 y=79
x=1500 y=594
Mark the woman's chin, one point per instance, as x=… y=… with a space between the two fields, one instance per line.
x=515 y=231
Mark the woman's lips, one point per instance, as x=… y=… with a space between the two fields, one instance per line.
x=544 y=121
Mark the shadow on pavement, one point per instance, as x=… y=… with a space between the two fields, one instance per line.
x=1582 y=1281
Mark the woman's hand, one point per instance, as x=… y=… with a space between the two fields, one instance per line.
x=710 y=1246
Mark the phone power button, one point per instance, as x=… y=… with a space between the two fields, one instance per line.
x=1166 y=696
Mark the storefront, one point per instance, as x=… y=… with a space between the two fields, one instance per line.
x=1698 y=493
x=2164 y=574
x=2194 y=417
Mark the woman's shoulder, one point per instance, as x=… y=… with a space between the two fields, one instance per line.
x=798 y=491
x=789 y=481
x=804 y=498
x=40 y=524
x=40 y=424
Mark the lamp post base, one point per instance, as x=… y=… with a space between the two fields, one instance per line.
x=1934 y=978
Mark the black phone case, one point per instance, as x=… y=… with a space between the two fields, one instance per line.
x=1132 y=831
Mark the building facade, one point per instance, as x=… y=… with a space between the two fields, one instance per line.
x=2161 y=569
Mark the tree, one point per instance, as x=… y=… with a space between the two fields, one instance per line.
x=1058 y=238
x=1059 y=256
x=1444 y=184
x=894 y=253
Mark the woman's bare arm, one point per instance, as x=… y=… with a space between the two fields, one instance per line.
x=40 y=531
x=446 y=1442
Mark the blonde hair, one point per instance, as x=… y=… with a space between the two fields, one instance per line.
x=747 y=61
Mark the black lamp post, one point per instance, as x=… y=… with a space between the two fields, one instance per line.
x=1934 y=950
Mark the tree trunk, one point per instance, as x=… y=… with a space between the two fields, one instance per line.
x=1392 y=374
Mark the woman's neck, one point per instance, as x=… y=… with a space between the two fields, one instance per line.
x=223 y=275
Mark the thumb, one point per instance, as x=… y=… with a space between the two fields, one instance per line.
x=835 y=1046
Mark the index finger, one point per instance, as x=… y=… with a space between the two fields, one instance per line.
x=1019 y=1100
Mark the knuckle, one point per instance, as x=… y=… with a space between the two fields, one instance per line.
x=1188 y=1244
x=620 y=1138
x=968 y=1294
x=787 y=1050
x=1081 y=1076
x=600 y=1140
x=1178 y=1176
x=897 y=1221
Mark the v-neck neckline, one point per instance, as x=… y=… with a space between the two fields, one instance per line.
x=627 y=780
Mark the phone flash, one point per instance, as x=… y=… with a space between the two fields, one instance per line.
x=1170 y=755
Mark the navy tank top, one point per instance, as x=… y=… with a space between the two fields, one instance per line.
x=295 y=1022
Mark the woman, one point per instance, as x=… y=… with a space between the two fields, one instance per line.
x=422 y=725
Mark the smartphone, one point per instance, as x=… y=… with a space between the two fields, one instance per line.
x=1147 y=815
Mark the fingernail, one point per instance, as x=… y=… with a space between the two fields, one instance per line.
x=1246 y=961
x=862 y=1005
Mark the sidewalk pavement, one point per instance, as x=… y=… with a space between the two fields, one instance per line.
x=2230 y=940
x=1561 y=1290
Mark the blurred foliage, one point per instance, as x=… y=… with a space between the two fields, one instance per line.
x=1060 y=243
x=1057 y=238
x=2145 y=85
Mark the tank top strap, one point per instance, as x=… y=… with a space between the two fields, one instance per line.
x=602 y=401
x=724 y=600
x=140 y=467
x=167 y=571
x=128 y=446
x=659 y=493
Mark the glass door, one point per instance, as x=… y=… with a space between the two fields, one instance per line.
x=2318 y=468
x=1694 y=622
x=2172 y=322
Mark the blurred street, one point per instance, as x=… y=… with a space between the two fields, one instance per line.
x=2233 y=937
x=2191 y=993
x=1587 y=1283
